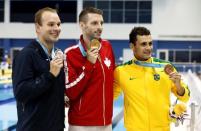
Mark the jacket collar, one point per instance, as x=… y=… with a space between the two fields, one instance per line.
x=52 y=55
x=147 y=61
x=34 y=44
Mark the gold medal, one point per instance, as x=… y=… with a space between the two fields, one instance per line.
x=95 y=43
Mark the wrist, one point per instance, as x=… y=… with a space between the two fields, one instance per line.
x=180 y=90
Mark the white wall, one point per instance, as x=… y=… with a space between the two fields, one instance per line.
x=171 y=19
x=177 y=17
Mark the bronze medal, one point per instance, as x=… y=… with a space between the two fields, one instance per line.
x=168 y=69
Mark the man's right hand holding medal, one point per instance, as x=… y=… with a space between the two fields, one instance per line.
x=175 y=77
x=92 y=53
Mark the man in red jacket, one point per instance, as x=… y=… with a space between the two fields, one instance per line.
x=89 y=69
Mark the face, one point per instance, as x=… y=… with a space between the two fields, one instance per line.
x=50 y=29
x=93 y=26
x=143 y=47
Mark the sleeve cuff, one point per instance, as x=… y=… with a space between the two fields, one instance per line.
x=50 y=76
x=185 y=97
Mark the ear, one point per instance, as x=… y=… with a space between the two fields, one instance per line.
x=37 y=27
x=81 y=25
x=131 y=46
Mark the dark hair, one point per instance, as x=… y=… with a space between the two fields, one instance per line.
x=83 y=14
x=38 y=14
x=137 y=31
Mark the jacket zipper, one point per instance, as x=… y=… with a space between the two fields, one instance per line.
x=103 y=89
x=146 y=96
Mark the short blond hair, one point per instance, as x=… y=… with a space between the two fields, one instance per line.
x=39 y=13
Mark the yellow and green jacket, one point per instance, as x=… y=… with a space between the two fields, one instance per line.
x=146 y=92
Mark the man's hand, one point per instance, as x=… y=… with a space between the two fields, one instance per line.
x=66 y=101
x=55 y=66
x=176 y=78
x=92 y=55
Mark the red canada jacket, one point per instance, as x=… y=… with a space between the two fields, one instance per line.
x=89 y=86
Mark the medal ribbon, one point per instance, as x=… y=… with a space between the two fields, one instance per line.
x=146 y=64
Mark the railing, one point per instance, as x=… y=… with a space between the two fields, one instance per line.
x=194 y=84
x=184 y=67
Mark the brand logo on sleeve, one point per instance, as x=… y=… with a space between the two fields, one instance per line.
x=132 y=78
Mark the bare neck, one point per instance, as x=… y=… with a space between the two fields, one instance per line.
x=49 y=45
x=49 y=48
x=86 y=41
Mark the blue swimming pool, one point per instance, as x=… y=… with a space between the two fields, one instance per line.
x=8 y=112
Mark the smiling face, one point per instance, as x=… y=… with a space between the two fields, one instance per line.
x=92 y=27
x=49 y=29
x=143 y=47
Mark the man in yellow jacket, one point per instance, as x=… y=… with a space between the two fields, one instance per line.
x=146 y=86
